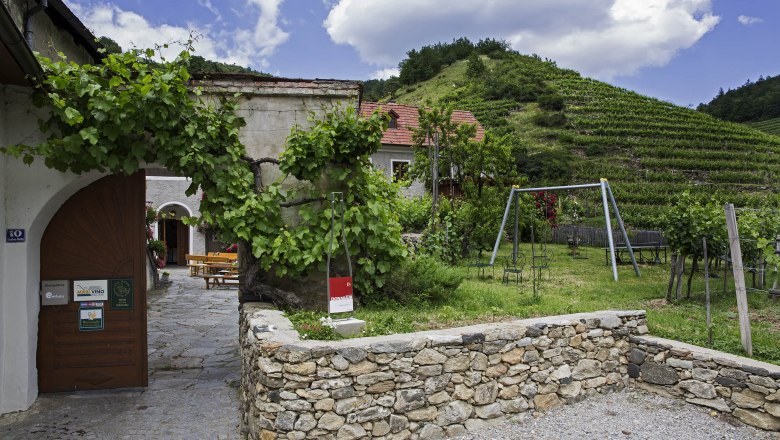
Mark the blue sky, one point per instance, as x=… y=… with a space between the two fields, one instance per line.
x=677 y=50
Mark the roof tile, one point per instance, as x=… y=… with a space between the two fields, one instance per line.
x=408 y=121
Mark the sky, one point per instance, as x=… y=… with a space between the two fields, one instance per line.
x=682 y=51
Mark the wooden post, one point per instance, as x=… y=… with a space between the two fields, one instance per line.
x=707 y=291
x=739 y=278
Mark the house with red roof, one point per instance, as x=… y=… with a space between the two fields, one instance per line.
x=396 y=156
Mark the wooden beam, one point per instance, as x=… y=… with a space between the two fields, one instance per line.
x=739 y=278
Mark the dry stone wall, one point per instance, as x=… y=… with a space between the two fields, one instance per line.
x=425 y=385
x=744 y=388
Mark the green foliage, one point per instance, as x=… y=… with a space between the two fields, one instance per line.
x=551 y=101
x=751 y=102
x=309 y=325
x=423 y=279
x=110 y=45
x=475 y=66
x=113 y=116
x=157 y=246
x=650 y=150
x=556 y=119
x=429 y=60
x=198 y=64
x=693 y=218
x=414 y=213
x=377 y=89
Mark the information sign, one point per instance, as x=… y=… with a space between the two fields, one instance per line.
x=340 y=295
x=90 y=290
x=54 y=292
x=91 y=318
x=121 y=294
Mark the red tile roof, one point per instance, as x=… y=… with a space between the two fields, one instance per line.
x=408 y=121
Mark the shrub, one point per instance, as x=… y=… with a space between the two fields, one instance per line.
x=414 y=213
x=551 y=101
x=550 y=119
x=422 y=280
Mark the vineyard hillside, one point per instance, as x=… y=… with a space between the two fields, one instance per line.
x=569 y=129
x=771 y=126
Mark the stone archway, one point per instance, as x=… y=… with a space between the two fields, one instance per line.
x=179 y=238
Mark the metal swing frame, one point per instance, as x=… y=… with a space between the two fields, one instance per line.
x=606 y=197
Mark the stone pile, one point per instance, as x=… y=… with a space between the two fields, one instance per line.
x=744 y=388
x=427 y=385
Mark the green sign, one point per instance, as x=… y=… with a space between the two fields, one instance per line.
x=91 y=318
x=121 y=294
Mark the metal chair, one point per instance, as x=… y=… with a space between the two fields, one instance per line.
x=477 y=262
x=514 y=268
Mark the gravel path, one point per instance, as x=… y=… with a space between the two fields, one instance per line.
x=627 y=416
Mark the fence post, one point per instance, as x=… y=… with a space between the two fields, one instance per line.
x=739 y=278
x=707 y=291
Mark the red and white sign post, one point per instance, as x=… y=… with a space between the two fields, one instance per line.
x=340 y=292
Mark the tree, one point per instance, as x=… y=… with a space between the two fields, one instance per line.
x=110 y=45
x=475 y=68
x=124 y=111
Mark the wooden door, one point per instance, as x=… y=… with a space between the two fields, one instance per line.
x=182 y=242
x=98 y=234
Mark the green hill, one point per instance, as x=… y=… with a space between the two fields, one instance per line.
x=650 y=150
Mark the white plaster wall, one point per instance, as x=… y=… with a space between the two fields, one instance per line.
x=382 y=160
x=169 y=191
x=31 y=196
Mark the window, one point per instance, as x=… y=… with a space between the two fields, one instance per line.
x=399 y=168
x=392 y=119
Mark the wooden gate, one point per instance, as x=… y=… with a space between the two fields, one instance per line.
x=98 y=234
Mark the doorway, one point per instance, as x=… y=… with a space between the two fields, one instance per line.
x=174 y=233
x=96 y=242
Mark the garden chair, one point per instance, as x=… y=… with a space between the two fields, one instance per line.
x=542 y=261
x=514 y=268
x=479 y=263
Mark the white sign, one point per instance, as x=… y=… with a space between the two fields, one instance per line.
x=90 y=290
x=54 y=292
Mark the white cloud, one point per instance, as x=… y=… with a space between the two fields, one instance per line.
x=208 y=5
x=601 y=38
x=245 y=47
x=748 y=20
x=384 y=73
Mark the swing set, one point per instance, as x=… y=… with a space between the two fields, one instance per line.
x=607 y=199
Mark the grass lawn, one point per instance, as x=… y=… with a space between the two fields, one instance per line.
x=583 y=285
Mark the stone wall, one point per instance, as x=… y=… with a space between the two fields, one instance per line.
x=425 y=385
x=744 y=388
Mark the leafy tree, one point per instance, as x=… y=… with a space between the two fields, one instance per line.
x=475 y=67
x=124 y=111
x=110 y=45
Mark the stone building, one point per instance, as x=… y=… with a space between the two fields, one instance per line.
x=396 y=155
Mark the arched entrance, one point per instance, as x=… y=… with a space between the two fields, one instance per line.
x=95 y=242
x=176 y=235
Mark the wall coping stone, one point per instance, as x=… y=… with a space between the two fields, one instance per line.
x=705 y=354
x=285 y=334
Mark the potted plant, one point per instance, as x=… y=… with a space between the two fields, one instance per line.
x=164 y=276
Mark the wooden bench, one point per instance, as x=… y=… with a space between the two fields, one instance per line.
x=196 y=263
x=219 y=279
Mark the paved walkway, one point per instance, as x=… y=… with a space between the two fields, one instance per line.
x=194 y=372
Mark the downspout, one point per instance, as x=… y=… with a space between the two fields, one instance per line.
x=28 y=32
